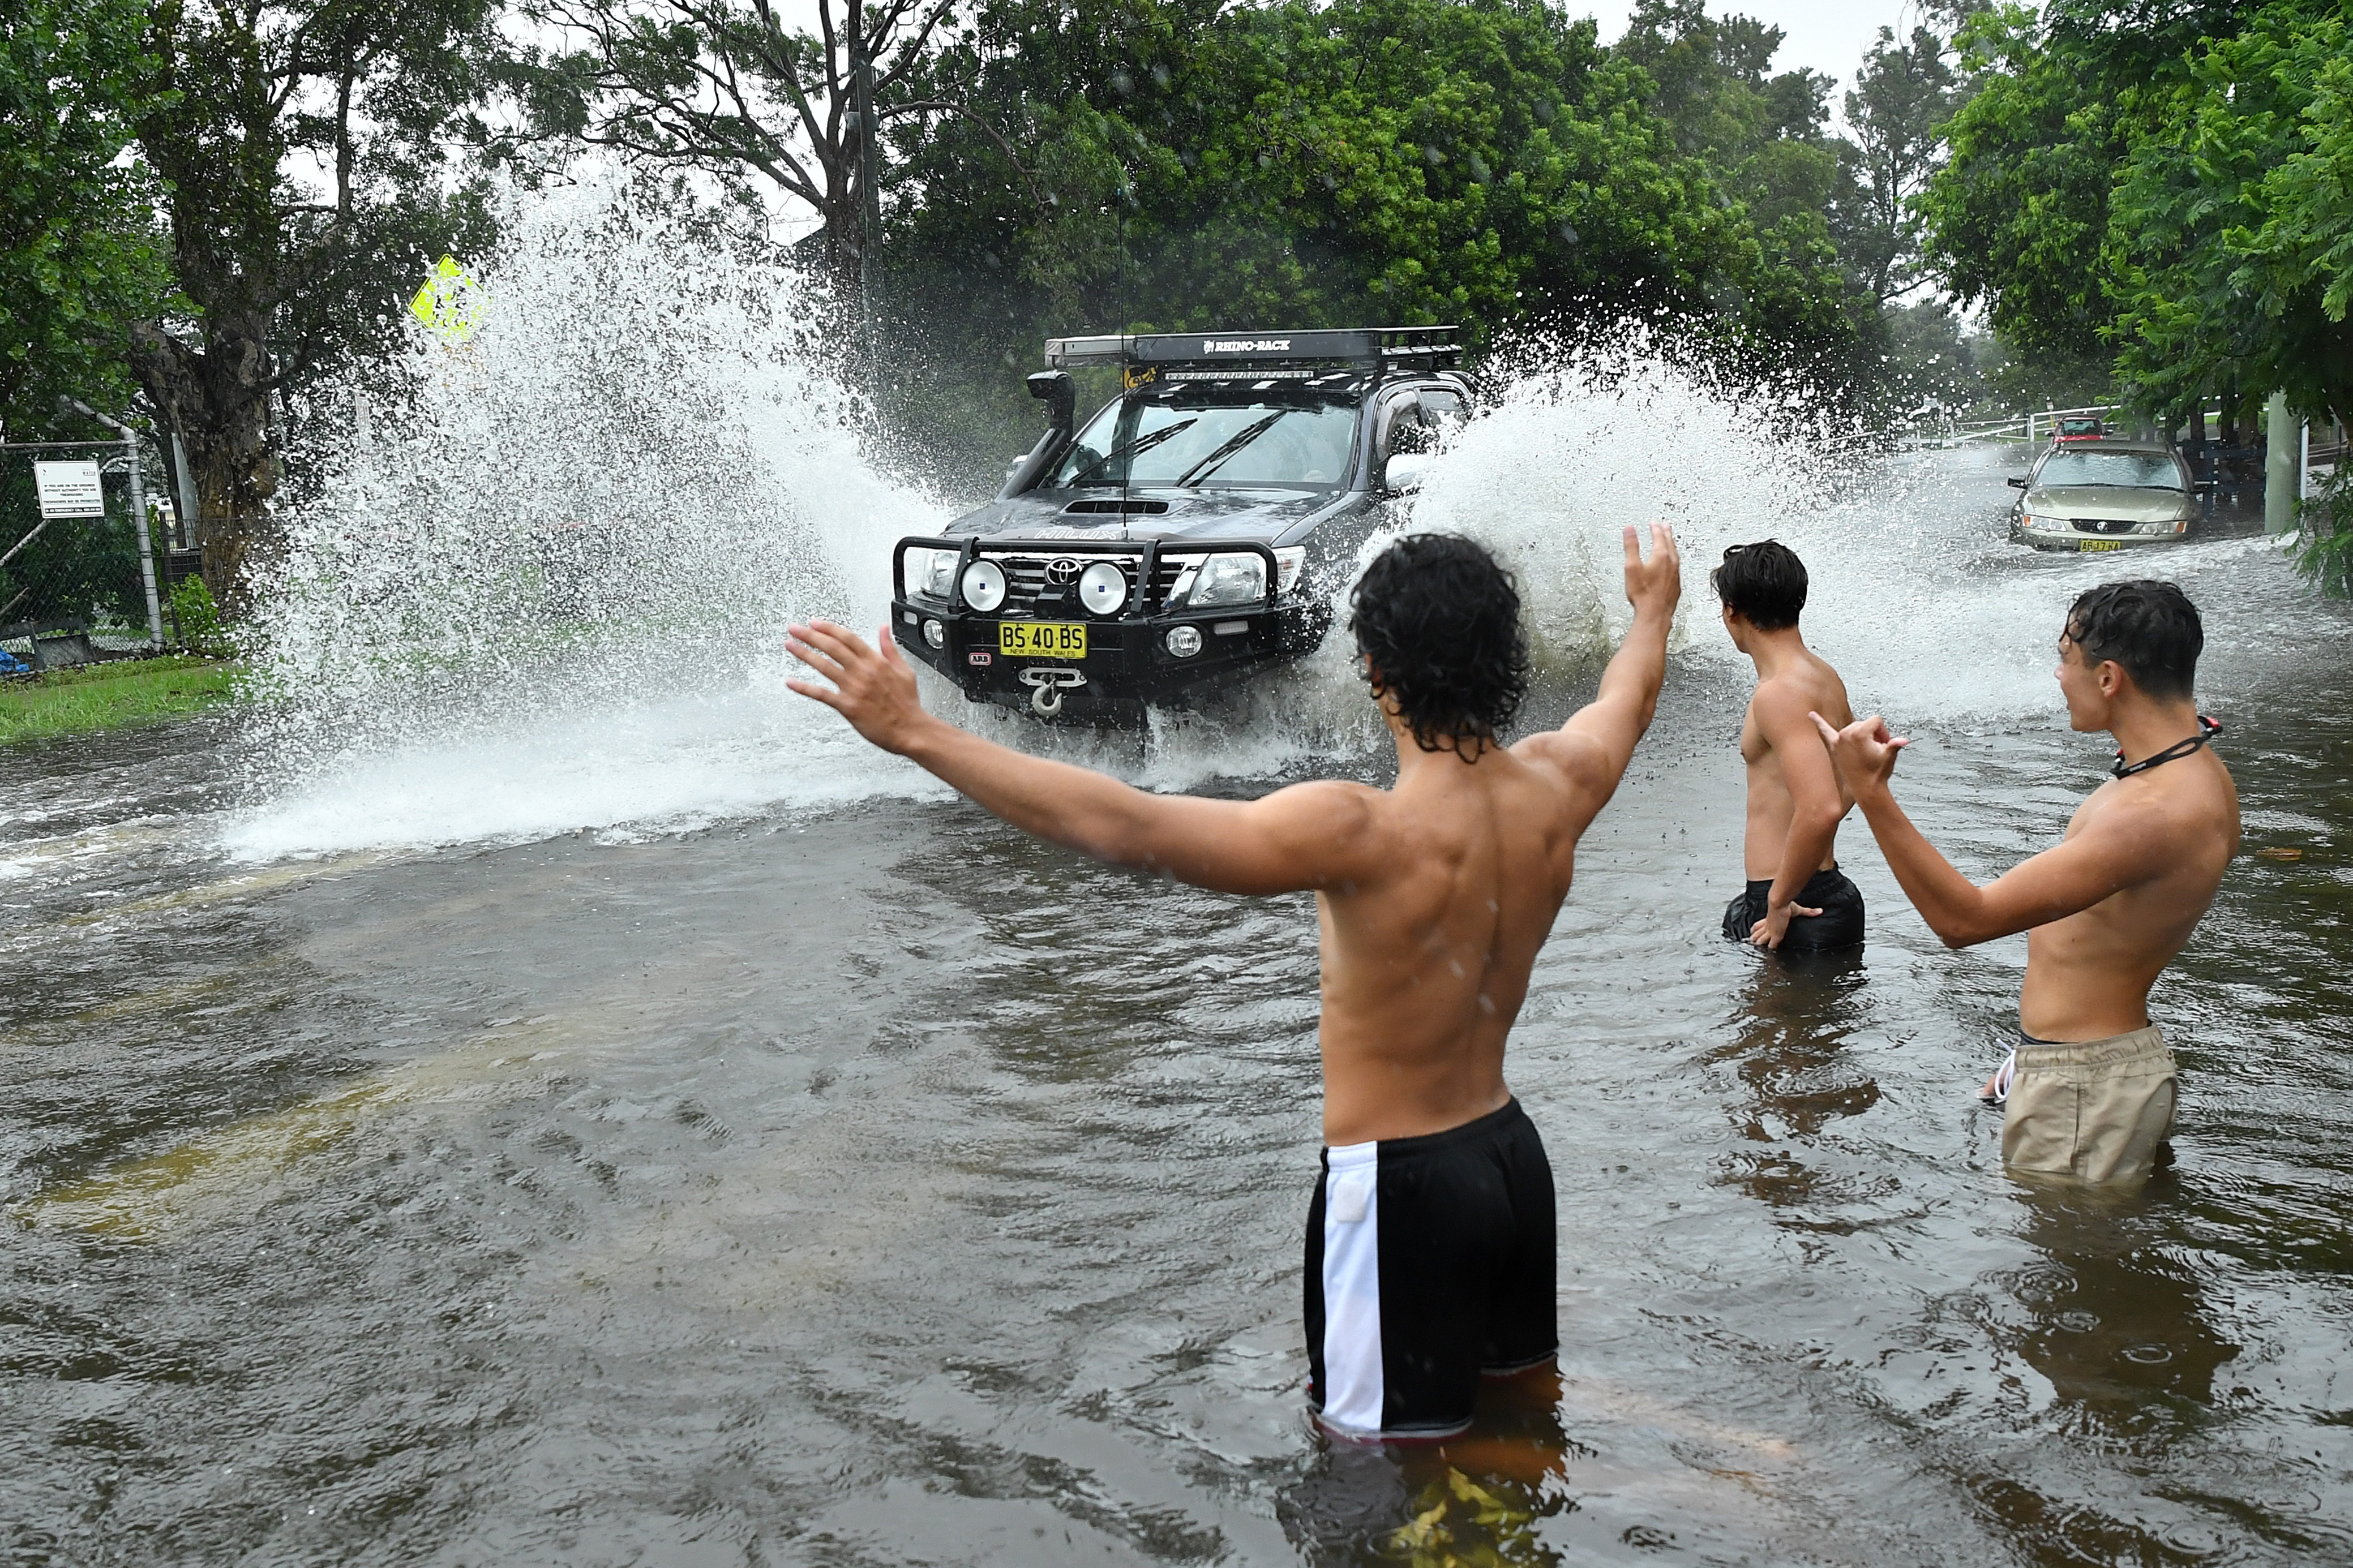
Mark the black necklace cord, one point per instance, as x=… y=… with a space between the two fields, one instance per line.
x=2207 y=730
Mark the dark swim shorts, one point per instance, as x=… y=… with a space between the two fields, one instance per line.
x=1429 y=1262
x=1839 y=925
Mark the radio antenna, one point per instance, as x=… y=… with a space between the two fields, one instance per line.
x=1127 y=470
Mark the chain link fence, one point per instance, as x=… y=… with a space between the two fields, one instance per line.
x=82 y=589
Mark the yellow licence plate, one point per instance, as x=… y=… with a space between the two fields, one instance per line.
x=2100 y=545
x=1041 y=639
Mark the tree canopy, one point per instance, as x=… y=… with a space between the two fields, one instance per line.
x=1485 y=162
x=2168 y=187
x=81 y=255
x=2153 y=188
x=304 y=150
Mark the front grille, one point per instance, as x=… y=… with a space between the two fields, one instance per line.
x=2101 y=524
x=1028 y=593
x=1165 y=573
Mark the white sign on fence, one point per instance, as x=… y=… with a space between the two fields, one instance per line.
x=69 y=490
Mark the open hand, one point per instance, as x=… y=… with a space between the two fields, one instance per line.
x=1865 y=753
x=1656 y=584
x=1768 y=932
x=873 y=688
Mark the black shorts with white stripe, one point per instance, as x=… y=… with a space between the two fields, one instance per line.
x=1430 y=1261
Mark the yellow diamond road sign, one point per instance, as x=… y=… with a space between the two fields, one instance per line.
x=452 y=304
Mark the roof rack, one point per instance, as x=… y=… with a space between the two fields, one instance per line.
x=1402 y=348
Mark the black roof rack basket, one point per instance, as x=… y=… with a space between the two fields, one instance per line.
x=1366 y=348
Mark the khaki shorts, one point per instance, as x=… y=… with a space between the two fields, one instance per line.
x=2093 y=1109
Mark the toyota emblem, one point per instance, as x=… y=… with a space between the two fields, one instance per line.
x=1062 y=572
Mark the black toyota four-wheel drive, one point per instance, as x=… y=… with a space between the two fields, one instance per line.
x=1193 y=532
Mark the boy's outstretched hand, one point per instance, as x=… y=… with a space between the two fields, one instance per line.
x=1864 y=751
x=1654 y=585
x=873 y=688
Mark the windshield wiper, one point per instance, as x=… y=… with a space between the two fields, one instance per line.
x=1234 y=443
x=1141 y=444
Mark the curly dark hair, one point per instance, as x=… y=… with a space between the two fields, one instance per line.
x=1438 y=623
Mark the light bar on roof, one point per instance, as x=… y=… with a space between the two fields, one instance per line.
x=1408 y=347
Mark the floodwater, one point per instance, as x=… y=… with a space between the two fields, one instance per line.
x=831 y=1175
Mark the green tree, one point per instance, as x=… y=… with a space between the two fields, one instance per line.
x=2229 y=254
x=306 y=152
x=80 y=255
x=729 y=88
x=1901 y=97
x=1414 y=161
x=1763 y=137
x=2018 y=220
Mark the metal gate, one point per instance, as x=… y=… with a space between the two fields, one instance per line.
x=86 y=573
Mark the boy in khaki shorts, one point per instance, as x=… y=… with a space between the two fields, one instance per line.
x=2089 y=1092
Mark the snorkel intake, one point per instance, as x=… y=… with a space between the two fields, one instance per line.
x=1060 y=395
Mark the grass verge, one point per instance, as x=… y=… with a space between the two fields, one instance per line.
x=94 y=697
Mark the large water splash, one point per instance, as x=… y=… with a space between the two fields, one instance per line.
x=1584 y=442
x=551 y=594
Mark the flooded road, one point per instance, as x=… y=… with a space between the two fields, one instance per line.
x=843 y=1179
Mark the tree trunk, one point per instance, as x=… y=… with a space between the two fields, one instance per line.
x=218 y=399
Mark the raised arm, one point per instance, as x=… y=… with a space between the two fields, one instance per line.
x=1594 y=747
x=1308 y=835
x=1816 y=805
x=2119 y=849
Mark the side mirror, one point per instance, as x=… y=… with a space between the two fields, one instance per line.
x=1403 y=474
x=2015 y=484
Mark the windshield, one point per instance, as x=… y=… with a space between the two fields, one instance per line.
x=2133 y=470
x=1173 y=442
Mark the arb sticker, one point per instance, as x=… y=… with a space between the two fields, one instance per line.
x=978 y=656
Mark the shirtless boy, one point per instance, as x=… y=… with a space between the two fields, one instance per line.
x=2089 y=1092
x=1430 y=1236
x=1797 y=899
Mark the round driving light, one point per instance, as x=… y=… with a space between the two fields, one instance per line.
x=935 y=633
x=984 y=586
x=1183 y=641
x=1103 y=588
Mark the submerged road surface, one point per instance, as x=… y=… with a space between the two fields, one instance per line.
x=865 y=1185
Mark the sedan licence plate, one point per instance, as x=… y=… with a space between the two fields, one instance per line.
x=2100 y=545
x=1041 y=639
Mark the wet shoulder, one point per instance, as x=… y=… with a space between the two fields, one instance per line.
x=1782 y=703
x=2195 y=809
x=1832 y=702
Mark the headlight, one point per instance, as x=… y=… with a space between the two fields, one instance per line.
x=929 y=573
x=2153 y=528
x=1229 y=580
x=1103 y=588
x=984 y=586
x=1288 y=563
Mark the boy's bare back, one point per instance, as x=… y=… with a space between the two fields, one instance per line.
x=1425 y=963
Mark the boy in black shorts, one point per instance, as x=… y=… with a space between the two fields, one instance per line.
x=1429 y=1243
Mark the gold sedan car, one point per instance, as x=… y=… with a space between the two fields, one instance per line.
x=2104 y=495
